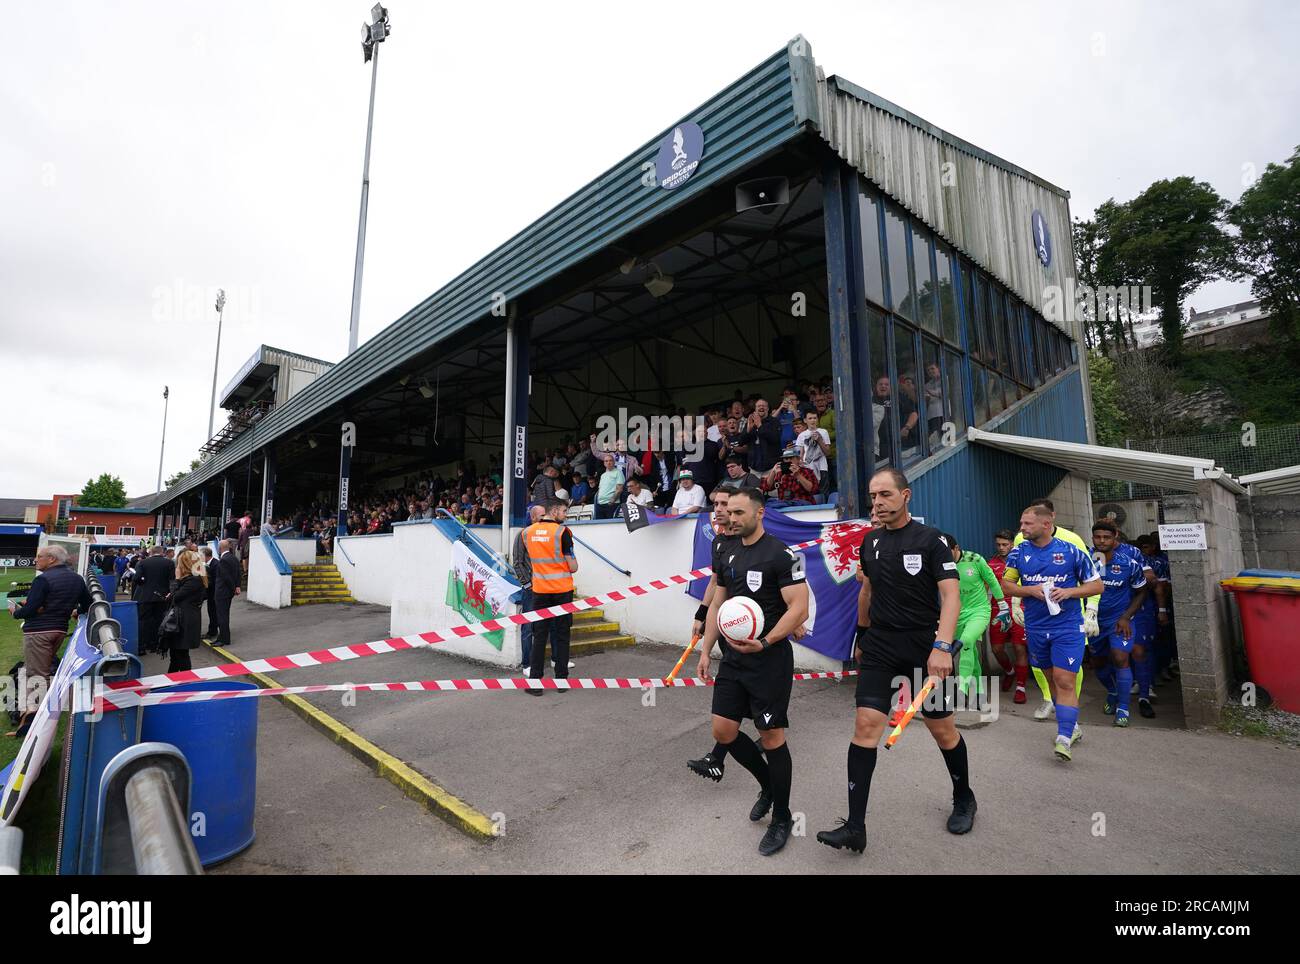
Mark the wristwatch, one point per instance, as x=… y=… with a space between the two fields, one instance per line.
x=943 y=647
x=762 y=641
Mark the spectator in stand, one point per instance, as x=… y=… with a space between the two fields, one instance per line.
x=716 y=424
x=638 y=493
x=734 y=441
x=704 y=461
x=813 y=444
x=738 y=477
x=543 y=487
x=792 y=482
x=788 y=415
x=690 y=497
x=933 y=402
x=610 y=493
x=763 y=435
x=245 y=533
x=909 y=417
x=579 y=490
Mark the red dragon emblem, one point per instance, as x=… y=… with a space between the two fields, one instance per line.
x=843 y=541
x=475 y=593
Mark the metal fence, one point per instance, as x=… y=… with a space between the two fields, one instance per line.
x=1253 y=449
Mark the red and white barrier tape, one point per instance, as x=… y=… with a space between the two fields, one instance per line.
x=106 y=701
x=394 y=644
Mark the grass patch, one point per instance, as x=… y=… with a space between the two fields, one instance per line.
x=39 y=816
x=1261 y=724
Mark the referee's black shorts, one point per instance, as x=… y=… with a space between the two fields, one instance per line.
x=759 y=690
x=889 y=654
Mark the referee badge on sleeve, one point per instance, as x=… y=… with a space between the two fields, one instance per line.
x=912 y=563
x=753 y=580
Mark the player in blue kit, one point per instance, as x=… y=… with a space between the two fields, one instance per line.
x=1046 y=572
x=1125 y=588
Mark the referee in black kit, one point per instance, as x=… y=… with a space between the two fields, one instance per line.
x=755 y=678
x=910 y=593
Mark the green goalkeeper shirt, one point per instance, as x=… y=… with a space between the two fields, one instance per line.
x=977 y=582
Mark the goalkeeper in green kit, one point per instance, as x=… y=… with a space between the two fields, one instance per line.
x=977 y=582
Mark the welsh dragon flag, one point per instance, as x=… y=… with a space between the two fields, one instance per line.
x=477 y=591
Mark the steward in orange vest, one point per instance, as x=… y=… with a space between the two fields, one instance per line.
x=550 y=551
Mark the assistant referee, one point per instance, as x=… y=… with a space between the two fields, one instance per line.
x=755 y=677
x=912 y=602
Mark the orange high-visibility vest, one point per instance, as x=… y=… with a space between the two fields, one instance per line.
x=544 y=541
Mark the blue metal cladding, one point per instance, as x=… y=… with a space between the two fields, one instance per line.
x=979 y=490
x=1056 y=411
x=749 y=119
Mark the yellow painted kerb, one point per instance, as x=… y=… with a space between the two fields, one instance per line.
x=412 y=783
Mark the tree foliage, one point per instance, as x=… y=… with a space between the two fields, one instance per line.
x=105 y=492
x=1267 y=217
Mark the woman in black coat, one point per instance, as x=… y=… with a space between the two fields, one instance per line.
x=188 y=597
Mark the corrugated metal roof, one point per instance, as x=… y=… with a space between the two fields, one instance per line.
x=1101 y=462
x=748 y=119
x=1284 y=481
x=978 y=202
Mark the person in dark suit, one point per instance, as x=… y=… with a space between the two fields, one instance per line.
x=152 y=584
x=210 y=566
x=187 y=597
x=228 y=578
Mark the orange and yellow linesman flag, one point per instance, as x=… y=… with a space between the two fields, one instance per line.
x=682 y=662
x=910 y=712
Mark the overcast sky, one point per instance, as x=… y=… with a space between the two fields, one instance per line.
x=153 y=152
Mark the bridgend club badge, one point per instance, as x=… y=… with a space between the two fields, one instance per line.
x=679 y=155
x=1042 y=238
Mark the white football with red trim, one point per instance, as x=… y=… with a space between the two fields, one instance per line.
x=740 y=619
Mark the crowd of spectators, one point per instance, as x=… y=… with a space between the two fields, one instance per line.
x=785 y=446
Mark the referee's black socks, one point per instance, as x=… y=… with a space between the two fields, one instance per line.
x=745 y=752
x=781 y=768
x=862 y=764
x=958 y=769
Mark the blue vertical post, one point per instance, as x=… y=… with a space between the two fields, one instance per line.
x=226 y=496
x=345 y=479
x=268 y=485
x=203 y=509
x=521 y=336
x=843 y=252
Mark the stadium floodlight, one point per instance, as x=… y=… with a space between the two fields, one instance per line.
x=660 y=284
x=425 y=390
x=372 y=34
x=212 y=405
x=311 y=443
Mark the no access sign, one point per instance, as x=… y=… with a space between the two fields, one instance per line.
x=1187 y=535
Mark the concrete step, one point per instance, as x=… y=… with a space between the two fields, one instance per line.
x=591 y=627
x=596 y=644
x=313 y=602
x=340 y=591
x=317 y=581
x=589 y=616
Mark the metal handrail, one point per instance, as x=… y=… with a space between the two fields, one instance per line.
x=341 y=549
x=273 y=550
x=597 y=553
x=499 y=562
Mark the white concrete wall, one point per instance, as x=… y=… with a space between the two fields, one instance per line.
x=374 y=568
x=419 y=594
x=266 y=586
x=298 y=552
x=659 y=550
